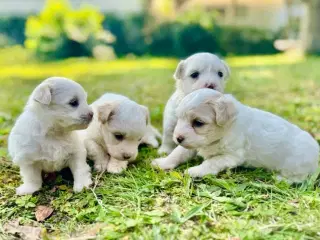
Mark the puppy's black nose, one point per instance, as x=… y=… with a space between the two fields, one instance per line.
x=126 y=156
x=90 y=115
x=210 y=86
x=180 y=139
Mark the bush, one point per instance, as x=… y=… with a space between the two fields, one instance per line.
x=180 y=40
x=162 y=39
x=61 y=32
x=12 y=30
x=245 y=40
x=194 y=38
x=129 y=33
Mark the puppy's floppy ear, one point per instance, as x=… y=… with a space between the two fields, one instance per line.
x=227 y=68
x=225 y=110
x=147 y=114
x=105 y=111
x=42 y=94
x=179 y=70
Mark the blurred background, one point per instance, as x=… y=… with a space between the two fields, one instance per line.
x=106 y=29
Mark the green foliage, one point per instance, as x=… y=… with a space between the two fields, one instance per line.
x=129 y=32
x=163 y=39
x=61 y=32
x=12 y=30
x=241 y=41
x=180 y=40
x=193 y=38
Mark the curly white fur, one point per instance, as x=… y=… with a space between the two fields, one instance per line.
x=43 y=137
x=201 y=70
x=231 y=134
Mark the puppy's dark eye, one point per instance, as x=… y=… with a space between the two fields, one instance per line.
x=74 y=102
x=220 y=74
x=119 y=136
x=197 y=123
x=140 y=139
x=195 y=75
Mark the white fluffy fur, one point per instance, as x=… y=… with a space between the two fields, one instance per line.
x=116 y=114
x=208 y=66
x=234 y=134
x=43 y=137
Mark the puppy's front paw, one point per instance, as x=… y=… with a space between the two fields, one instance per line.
x=197 y=171
x=164 y=149
x=101 y=166
x=150 y=141
x=27 y=188
x=115 y=166
x=79 y=185
x=163 y=163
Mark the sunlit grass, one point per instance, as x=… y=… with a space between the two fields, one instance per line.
x=146 y=204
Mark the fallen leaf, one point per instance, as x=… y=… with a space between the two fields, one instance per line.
x=23 y=232
x=63 y=187
x=43 y=212
x=90 y=232
x=54 y=189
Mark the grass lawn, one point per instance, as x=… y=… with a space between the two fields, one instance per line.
x=144 y=203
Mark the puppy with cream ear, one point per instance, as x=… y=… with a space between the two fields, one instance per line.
x=118 y=127
x=227 y=134
x=43 y=137
x=201 y=70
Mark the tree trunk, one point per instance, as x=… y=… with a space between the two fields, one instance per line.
x=289 y=27
x=311 y=29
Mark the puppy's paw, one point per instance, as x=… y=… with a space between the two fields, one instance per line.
x=164 y=149
x=150 y=141
x=27 y=188
x=79 y=185
x=115 y=166
x=196 y=171
x=163 y=163
x=101 y=166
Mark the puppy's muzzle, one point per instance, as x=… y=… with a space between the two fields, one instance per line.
x=88 y=117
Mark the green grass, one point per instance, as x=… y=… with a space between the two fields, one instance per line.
x=144 y=203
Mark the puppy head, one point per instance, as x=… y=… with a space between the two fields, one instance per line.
x=64 y=102
x=201 y=70
x=203 y=117
x=123 y=124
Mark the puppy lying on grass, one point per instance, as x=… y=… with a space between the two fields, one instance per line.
x=227 y=134
x=43 y=137
x=119 y=126
x=201 y=70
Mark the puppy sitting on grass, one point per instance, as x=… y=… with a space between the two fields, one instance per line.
x=119 y=125
x=227 y=134
x=43 y=137
x=201 y=70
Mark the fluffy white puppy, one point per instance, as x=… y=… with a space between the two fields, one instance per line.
x=119 y=125
x=227 y=134
x=43 y=137
x=201 y=70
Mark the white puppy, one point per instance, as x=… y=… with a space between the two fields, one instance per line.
x=201 y=70
x=228 y=134
x=119 y=125
x=43 y=137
